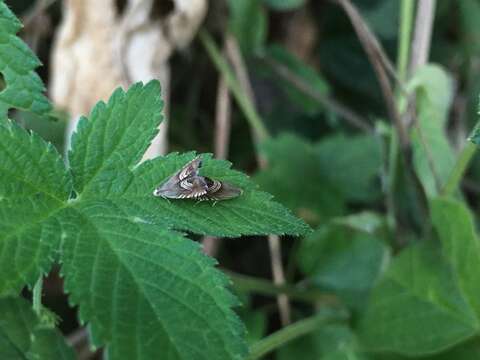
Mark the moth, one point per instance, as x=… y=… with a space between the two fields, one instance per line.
x=187 y=183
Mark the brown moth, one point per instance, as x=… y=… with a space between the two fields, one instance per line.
x=188 y=184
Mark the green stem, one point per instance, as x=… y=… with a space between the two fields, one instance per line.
x=251 y=284
x=291 y=332
x=37 y=295
x=403 y=53
x=243 y=101
x=405 y=33
x=459 y=170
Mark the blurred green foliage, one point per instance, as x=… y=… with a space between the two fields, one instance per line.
x=404 y=266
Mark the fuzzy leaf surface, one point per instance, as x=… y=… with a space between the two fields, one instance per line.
x=418 y=308
x=147 y=291
x=34 y=185
x=23 y=88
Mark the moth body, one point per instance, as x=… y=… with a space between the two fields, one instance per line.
x=188 y=184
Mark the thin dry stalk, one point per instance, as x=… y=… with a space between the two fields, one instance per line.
x=378 y=60
x=329 y=103
x=420 y=53
x=369 y=37
x=279 y=278
x=423 y=34
x=234 y=55
x=222 y=120
x=222 y=141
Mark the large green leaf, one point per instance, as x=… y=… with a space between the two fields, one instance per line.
x=418 y=307
x=145 y=290
x=22 y=87
x=295 y=177
x=352 y=163
x=433 y=156
x=456 y=228
x=315 y=180
x=344 y=260
x=23 y=336
x=34 y=184
x=252 y=213
x=114 y=139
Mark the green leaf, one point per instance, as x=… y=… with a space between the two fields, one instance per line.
x=312 y=195
x=23 y=88
x=465 y=351
x=141 y=285
x=352 y=163
x=433 y=155
x=248 y=22
x=146 y=290
x=23 y=336
x=284 y=4
x=34 y=185
x=418 y=307
x=252 y=213
x=114 y=139
x=283 y=57
x=340 y=259
x=455 y=226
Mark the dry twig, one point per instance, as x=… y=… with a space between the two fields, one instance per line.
x=329 y=103
x=234 y=54
x=222 y=140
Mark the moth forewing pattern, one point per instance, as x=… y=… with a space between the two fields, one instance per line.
x=186 y=183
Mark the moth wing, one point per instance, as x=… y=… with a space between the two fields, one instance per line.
x=218 y=190
x=191 y=188
x=172 y=184
x=191 y=169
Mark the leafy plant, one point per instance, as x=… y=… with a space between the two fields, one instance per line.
x=141 y=286
x=372 y=155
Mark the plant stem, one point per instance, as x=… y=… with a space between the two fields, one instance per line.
x=37 y=295
x=405 y=33
x=291 y=332
x=243 y=101
x=459 y=170
x=261 y=286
